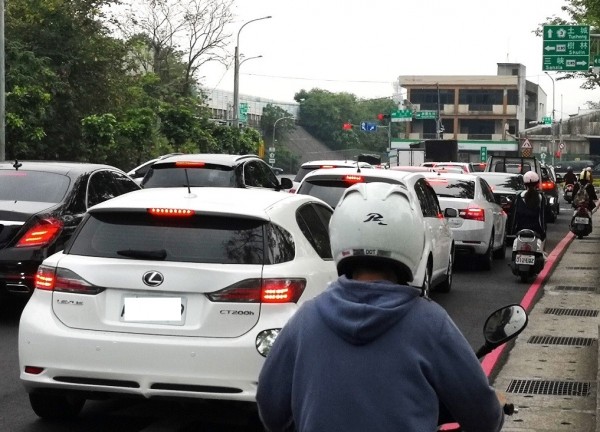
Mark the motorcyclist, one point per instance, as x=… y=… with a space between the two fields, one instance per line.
x=585 y=182
x=570 y=177
x=530 y=208
x=370 y=353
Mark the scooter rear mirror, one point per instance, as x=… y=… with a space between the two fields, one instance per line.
x=504 y=324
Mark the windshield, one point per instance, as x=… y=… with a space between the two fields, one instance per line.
x=453 y=188
x=331 y=191
x=168 y=175
x=35 y=186
x=500 y=182
x=199 y=239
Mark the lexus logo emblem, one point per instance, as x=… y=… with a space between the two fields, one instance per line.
x=153 y=278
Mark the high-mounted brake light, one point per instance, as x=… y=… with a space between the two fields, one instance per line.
x=548 y=185
x=354 y=179
x=261 y=291
x=168 y=212
x=327 y=166
x=42 y=233
x=190 y=164
x=473 y=212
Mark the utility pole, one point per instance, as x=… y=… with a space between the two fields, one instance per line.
x=553 y=117
x=2 y=88
x=438 y=120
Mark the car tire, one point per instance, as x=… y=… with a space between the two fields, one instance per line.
x=487 y=258
x=56 y=406
x=446 y=285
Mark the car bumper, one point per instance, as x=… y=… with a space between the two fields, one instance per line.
x=17 y=273
x=471 y=238
x=136 y=364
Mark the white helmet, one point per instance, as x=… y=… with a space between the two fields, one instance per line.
x=531 y=177
x=377 y=223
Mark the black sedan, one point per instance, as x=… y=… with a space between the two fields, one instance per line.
x=505 y=187
x=41 y=204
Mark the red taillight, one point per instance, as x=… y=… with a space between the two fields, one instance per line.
x=292 y=190
x=327 y=166
x=34 y=370
x=261 y=291
x=473 y=212
x=168 y=212
x=354 y=179
x=548 y=185
x=63 y=280
x=42 y=233
x=525 y=247
x=189 y=164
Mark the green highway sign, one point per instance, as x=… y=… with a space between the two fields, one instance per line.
x=596 y=61
x=423 y=115
x=566 y=48
x=483 y=154
x=547 y=120
x=401 y=115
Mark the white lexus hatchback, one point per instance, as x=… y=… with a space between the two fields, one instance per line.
x=171 y=292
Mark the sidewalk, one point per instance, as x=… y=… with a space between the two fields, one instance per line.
x=551 y=372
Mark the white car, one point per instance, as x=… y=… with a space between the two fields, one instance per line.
x=138 y=173
x=171 y=293
x=481 y=227
x=308 y=167
x=437 y=261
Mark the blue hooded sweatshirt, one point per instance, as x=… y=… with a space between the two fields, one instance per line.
x=373 y=357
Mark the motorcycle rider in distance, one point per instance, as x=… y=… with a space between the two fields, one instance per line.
x=530 y=209
x=570 y=177
x=371 y=353
x=586 y=183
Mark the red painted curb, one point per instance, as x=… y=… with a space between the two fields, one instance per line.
x=489 y=362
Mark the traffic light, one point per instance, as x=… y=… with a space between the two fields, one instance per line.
x=383 y=118
x=347 y=126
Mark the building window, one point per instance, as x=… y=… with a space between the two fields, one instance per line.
x=515 y=72
x=428 y=98
x=512 y=97
x=477 y=129
x=480 y=99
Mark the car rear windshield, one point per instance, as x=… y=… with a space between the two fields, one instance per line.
x=198 y=239
x=170 y=175
x=331 y=191
x=500 y=182
x=453 y=188
x=35 y=186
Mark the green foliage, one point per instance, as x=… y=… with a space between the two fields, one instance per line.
x=99 y=133
x=323 y=113
x=285 y=122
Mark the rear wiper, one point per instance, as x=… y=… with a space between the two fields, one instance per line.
x=158 y=255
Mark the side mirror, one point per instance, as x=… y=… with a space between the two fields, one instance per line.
x=451 y=213
x=559 y=179
x=286 y=183
x=504 y=324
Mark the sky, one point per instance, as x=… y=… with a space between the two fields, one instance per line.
x=361 y=47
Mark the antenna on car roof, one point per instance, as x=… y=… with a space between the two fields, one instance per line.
x=187 y=181
x=357 y=168
x=17 y=165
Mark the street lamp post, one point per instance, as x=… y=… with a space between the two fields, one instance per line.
x=274 y=125
x=553 y=114
x=236 y=73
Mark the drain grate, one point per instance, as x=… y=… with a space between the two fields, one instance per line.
x=572 y=312
x=561 y=340
x=574 y=288
x=586 y=253
x=557 y=388
x=582 y=268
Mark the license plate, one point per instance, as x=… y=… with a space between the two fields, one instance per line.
x=582 y=220
x=568 y=194
x=160 y=310
x=525 y=260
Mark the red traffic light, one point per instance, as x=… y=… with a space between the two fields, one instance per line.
x=380 y=116
x=347 y=126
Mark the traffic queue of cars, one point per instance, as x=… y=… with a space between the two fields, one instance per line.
x=203 y=266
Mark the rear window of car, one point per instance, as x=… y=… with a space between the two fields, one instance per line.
x=499 y=182
x=36 y=186
x=198 y=239
x=170 y=175
x=452 y=188
x=331 y=191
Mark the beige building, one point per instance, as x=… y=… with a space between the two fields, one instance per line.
x=476 y=110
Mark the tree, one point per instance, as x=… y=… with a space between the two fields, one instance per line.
x=177 y=33
x=270 y=115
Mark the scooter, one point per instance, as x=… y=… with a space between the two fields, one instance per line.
x=581 y=222
x=528 y=257
x=500 y=327
x=568 y=193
